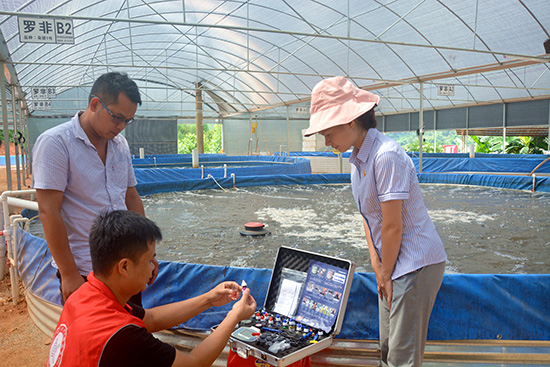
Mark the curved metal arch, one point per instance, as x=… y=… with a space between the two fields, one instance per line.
x=476 y=35
x=248 y=35
x=520 y=80
x=301 y=78
x=207 y=54
x=535 y=18
x=421 y=35
x=352 y=19
x=103 y=38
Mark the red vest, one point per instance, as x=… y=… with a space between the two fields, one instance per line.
x=89 y=318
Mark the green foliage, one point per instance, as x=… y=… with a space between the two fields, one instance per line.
x=526 y=145
x=187 y=138
x=487 y=144
x=484 y=144
x=2 y=136
x=514 y=144
x=409 y=141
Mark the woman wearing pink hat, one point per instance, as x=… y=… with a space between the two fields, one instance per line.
x=407 y=254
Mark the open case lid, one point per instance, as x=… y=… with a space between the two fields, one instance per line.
x=311 y=288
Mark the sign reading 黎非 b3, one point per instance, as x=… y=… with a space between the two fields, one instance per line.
x=45 y=30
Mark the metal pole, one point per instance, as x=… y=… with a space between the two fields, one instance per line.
x=198 y=107
x=5 y=123
x=421 y=126
x=15 y=140
x=504 y=128
x=28 y=147
x=288 y=128
x=23 y=160
x=464 y=147
x=549 y=125
x=435 y=131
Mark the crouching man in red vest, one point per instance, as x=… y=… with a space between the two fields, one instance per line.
x=98 y=327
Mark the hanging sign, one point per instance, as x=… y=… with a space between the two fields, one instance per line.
x=42 y=105
x=301 y=110
x=445 y=90
x=45 y=30
x=43 y=93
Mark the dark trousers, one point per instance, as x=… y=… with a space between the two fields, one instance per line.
x=136 y=299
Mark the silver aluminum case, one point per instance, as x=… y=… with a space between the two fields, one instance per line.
x=245 y=350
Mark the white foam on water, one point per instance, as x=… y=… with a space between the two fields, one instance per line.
x=511 y=257
x=308 y=224
x=272 y=196
x=454 y=216
x=287 y=218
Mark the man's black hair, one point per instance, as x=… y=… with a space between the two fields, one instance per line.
x=108 y=86
x=367 y=120
x=120 y=234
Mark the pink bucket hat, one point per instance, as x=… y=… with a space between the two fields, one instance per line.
x=336 y=101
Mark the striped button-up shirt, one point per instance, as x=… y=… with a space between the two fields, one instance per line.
x=65 y=160
x=381 y=171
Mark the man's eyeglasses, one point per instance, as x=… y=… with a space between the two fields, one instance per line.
x=116 y=120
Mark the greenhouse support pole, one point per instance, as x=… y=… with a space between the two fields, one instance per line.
x=504 y=128
x=549 y=126
x=22 y=125
x=15 y=139
x=28 y=145
x=464 y=147
x=421 y=126
x=198 y=108
x=435 y=131
x=5 y=123
x=288 y=128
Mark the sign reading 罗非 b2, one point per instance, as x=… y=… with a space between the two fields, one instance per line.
x=45 y=30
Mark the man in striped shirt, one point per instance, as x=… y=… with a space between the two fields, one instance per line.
x=83 y=168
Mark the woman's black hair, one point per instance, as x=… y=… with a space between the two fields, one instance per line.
x=120 y=234
x=367 y=120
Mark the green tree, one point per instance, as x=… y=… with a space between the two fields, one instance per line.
x=514 y=144
x=187 y=138
x=527 y=145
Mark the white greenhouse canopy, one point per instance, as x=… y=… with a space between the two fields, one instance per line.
x=249 y=56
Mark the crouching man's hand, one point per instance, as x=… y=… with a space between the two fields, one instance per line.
x=246 y=306
x=224 y=293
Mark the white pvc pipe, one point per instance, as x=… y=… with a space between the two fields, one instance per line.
x=12 y=257
x=195 y=158
x=2 y=258
x=7 y=229
x=22 y=203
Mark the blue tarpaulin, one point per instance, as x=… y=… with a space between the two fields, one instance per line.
x=486 y=171
x=468 y=306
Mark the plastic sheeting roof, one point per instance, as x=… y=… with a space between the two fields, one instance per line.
x=252 y=55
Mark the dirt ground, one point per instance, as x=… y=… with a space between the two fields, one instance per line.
x=22 y=344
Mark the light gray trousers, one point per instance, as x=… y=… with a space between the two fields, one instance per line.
x=404 y=329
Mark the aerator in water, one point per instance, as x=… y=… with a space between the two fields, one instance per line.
x=254 y=229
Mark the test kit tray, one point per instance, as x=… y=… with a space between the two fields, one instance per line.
x=303 y=311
